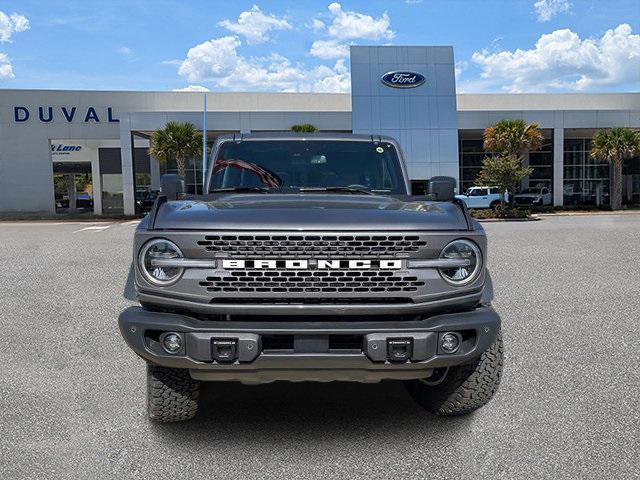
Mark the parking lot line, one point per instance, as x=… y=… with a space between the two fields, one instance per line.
x=94 y=228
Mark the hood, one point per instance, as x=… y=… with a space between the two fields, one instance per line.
x=527 y=195
x=309 y=212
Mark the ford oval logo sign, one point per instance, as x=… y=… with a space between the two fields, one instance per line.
x=402 y=79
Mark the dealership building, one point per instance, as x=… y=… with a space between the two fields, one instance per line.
x=68 y=151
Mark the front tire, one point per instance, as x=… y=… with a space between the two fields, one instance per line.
x=465 y=388
x=172 y=395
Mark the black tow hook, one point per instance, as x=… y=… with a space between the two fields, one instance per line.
x=399 y=349
x=224 y=350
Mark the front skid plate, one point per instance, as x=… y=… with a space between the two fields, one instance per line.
x=256 y=365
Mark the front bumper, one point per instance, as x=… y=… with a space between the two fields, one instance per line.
x=318 y=351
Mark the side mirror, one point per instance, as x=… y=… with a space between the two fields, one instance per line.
x=442 y=189
x=171 y=186
x=419 y=187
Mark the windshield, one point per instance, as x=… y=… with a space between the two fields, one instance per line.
x=531 y=190
x=477 y=192
x=291 y=165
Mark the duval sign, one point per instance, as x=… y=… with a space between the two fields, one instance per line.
x=403 y=79
x=69 y=114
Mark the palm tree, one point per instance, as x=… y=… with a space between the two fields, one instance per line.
x=615 y=145
x=177 y=141
x=513 y=138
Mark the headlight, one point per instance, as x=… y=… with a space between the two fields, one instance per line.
x=462 y=250
x=150 y=260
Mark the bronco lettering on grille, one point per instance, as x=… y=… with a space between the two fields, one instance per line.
x=229 y=264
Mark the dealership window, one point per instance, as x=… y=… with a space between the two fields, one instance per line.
x=586 y=180
x=111 y=181
x=631 y=181
x=472 y=154
x=541 y=161
x=73 y=187
x=192 y=174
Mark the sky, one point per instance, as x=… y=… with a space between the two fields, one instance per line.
x=509 y=46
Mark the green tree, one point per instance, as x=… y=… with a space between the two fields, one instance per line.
x=615 y=145
x=504 y=172
x=304 y=128
x=513 y=138
x=177 y=141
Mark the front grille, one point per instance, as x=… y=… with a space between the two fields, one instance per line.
x=312 y=281
x=317 y=246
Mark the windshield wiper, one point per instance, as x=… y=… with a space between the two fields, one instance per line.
x=336 y=190
x=241 y=189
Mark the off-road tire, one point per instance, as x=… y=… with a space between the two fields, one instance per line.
x=494 y=205
x=172 y=395
x=465 y=388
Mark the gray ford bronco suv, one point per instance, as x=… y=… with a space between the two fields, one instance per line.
x=308 y=258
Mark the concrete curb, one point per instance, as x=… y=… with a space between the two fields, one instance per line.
x=495 y=220
x=579 y=214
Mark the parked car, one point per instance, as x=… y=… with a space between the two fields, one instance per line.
x=145 y=200
x=482 y=197
x=304 y=262
x=537 y=196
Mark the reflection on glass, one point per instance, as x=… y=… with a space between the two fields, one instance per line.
x=586 y=180
x=112 y=200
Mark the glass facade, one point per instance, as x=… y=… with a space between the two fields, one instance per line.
x=111 y=180
x=472 y=154
x=631 y=181
x=586 y=180
x=542 y=163
x=73 y=187
x=192 y=174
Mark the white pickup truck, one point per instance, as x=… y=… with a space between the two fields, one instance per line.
x=482 y=197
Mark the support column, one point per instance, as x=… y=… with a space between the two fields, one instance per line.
x=96 y=181
x=126 y=155
x=558 y=166
x=71 y=192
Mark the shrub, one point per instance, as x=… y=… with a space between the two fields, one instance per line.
x=500 y=213
x=304 y=128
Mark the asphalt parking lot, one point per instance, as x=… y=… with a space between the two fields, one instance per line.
x=72 y=394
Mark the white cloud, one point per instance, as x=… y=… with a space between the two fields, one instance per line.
x=460 y=67
x=125 y=51
x=254 y=25
x=10 y=24
x=561 y=60
x=211 y=59
x=316 y=25
x=352 y=25
x=547 y=9
x=6 y=70
x=218 y=61
x=329 y=49
x=347 y=26
x=192 y=88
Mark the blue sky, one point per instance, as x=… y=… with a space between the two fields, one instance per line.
x=500 y=46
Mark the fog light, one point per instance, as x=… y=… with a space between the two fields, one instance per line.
x=449 y=343
x=172 y=343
